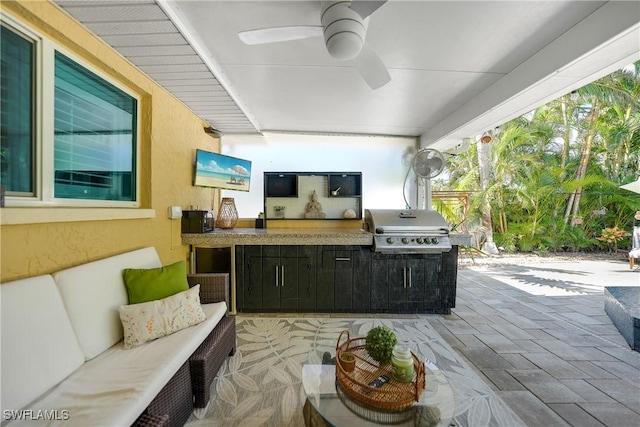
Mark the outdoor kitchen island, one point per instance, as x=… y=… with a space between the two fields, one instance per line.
x=331 y=270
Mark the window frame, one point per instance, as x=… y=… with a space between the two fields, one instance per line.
x=36 y=107
x=44 y=124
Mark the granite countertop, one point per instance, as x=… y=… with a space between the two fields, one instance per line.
x=292 y=236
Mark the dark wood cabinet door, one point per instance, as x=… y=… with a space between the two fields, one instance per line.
x=252 y=287
x=397 y=282
x=307 y=281
x=449 y=277
x=288 y=283
x=362 y=279
x=379 y=281
x=240 y=267
x=271 y=283
x=407 y=278
x=343 y=279
x=434 y=285
x=416 y=282
x=325 y=283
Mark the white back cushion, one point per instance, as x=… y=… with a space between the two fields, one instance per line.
x=39 y=347
x=93 y=292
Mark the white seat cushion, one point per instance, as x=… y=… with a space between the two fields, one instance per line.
x=39 y=346
x=114 y=388
x=93 y=292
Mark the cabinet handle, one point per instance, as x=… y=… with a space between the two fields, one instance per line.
x=343 y=259
x=404 y=272
x=282 y=276
x=277 y=279
x=409 y=276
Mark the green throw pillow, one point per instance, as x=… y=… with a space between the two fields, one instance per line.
x=150 y=284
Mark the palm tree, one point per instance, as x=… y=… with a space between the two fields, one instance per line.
x=567 y=156
x=614 y=92
x=484 y=168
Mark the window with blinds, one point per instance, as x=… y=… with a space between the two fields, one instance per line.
x=68 y=135
x=94 y=136
x=17 y=136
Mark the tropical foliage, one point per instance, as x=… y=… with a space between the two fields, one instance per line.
x=551 y=177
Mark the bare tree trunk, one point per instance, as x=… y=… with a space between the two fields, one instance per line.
x=567 y=212
x=484 y=166
x=622 y=153
x=567 y=133
x=574 y=200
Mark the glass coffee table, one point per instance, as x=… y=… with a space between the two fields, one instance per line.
x=328 y=405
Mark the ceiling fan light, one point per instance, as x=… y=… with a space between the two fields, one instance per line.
x=344 y=31
x=344 y=46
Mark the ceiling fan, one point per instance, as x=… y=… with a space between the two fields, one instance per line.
x=344 y=27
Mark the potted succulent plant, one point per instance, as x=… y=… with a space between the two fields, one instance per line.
x=379 y=344
x=347 y=361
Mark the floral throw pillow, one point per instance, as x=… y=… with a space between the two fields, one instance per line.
x=154 y=319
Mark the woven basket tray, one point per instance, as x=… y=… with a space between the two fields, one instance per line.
x=392 y=396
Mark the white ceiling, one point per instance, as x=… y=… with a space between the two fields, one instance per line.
x=457 y=68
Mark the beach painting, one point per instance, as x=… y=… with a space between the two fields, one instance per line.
x=220 y=171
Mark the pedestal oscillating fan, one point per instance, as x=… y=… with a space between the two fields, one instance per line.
x=427 y=164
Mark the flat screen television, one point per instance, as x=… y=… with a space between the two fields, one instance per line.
x=220 y=171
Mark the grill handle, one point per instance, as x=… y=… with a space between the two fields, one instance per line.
x=412 y=230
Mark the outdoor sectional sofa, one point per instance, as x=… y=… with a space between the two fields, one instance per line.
x=63 y=356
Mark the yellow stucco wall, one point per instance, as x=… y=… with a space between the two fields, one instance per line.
x=169 y=135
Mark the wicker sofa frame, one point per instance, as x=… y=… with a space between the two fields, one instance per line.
x=221 y=342
x=190 y=386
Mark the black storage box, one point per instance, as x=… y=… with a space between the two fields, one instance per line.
x=197 y=221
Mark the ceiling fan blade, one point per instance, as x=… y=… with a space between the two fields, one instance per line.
x=366 y=7
x=371 y=68
x=279 y=34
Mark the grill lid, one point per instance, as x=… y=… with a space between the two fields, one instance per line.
x=407 y=231
x=382 y=221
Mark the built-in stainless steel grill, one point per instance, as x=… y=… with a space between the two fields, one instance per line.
x=407 y=231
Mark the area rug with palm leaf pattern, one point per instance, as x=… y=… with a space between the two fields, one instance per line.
x=262 y=384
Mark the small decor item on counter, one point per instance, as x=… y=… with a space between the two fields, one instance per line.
x=279 y=211
x=379 y=343
x=402 y=363
x=349 y=214
x=314 y=208
x=347 y=361
x=228 y=214
x=260 y=220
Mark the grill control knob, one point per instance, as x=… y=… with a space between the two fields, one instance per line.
x=390 y=240
x=419 y=240
x=405 y=240
x=434 y=240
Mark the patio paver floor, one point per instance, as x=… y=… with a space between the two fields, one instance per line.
x=539 y=336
